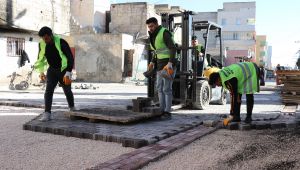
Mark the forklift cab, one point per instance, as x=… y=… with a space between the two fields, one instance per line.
x=190 y=86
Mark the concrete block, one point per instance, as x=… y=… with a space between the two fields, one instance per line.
x=233 y=126
x=245 y=126
x=210 y=123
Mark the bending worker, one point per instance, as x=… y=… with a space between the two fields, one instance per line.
x=55 y=52
x=240 y=78
x=163 y=46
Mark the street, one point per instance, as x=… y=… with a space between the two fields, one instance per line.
x=223 y=149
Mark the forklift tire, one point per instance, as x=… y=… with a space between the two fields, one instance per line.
x=203 y=95
x=223 y=99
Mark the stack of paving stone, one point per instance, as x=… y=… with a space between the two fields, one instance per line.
x=290 y=92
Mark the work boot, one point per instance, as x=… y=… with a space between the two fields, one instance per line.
x=46 y=116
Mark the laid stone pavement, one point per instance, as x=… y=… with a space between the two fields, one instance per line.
x=152 y=132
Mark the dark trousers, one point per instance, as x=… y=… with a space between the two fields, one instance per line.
x=53 y=77
x=236 y=101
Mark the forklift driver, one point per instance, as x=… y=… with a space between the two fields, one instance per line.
x=199 y=55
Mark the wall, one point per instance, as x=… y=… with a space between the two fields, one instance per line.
x=9 y=64
x=261 y=50
x=130 y=18
x=99 y=57
x=89 y=13
x=34 y=14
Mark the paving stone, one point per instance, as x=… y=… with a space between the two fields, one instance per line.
x=245 y=126
x=262 y=125
x=153 y=110
x=291 y=124
x=26 y=127
x=297 y=115
x=297 y=121
x=233 y=126
x=253 y=124
x=210 y=123
x=277 y=125
x=138 y=143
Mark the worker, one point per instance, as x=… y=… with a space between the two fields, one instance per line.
x=199 y=55
x=240 y=78
x=55 y=53
x=163 y=46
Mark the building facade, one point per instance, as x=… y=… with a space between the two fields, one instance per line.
x=19 y=23
x=238 y=22
x=261 y=50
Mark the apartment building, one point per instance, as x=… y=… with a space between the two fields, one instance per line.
x=238 y=22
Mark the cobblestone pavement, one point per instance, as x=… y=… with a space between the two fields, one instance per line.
x=267 y=105
x=20 y=149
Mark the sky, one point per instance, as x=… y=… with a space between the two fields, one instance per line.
x=277 y=19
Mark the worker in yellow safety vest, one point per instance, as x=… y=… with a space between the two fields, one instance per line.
x=240 y=78
x=164 y=51
x=56 y=58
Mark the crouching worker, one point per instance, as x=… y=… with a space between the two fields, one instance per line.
x=55 y=53
x=240 y=78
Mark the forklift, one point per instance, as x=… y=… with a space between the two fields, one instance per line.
x=190 y=86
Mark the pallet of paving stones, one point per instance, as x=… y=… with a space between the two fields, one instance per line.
x=286 y=75
x=116 y=115
x=290 y=98
x=290 y=92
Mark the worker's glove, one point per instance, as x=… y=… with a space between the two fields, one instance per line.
x=227 y=120
x=150 y=66
x=167 y=72
x=170 y=65
x=67 y=78
x=42 y=77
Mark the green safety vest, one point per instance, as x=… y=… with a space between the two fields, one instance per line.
x=41 y=64
x=199 y=47
x=161 y=50
x=246 y=76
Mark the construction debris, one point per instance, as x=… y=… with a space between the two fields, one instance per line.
x=86 y=86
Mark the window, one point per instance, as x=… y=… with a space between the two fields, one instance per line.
x=15 y=46
x=235 y=36
x=251 y=21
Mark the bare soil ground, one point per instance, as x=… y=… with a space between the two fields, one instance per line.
x=224 y=149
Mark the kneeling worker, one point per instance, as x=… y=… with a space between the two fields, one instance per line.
x=240 y=78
